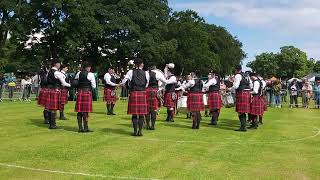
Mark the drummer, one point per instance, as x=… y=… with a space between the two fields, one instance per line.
x=195 y=98
x=214 y=97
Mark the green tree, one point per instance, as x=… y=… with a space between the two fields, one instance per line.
x=265 y=64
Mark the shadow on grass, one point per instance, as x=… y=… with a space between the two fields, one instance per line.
x=117 y=131
x=129 y=125
x=69 y=128
x=39 y=123
x=176 y=125
x=227 y=124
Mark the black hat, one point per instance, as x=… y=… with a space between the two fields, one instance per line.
x=65 y=65
x=86 y=64
x=138 y=61
x=253 y=74
x=55 y=61
x=238 y=67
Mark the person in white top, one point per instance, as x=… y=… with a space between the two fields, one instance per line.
x=110 y=96
x=195 y=98
x=170 y=96
x=242 y=85
x=257 y=103
x=83 y=106
x=214 y=97
x=64 y=91
x=55 y=81
x=156 y=79
x=264 y=97
x=137 y=105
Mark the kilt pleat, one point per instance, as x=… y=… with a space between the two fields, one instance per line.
x=152 y=99
x=243 y=101
x=168 y=101
x=64 y=96
x=257 y=106
x=84 y=101
x=137 y=104
x=109 y=97
x=53 y=99
x=214 y=100
x=43 y=96
x=195 y=102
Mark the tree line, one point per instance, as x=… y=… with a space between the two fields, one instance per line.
x=110 y=33
x=289 y=62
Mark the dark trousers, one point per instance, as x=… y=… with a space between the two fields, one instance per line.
x=1 y=90
x=11 y=90
x=294 y=98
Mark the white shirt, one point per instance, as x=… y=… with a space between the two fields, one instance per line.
x=36 y=80
x=211 y=82
x=90 y=77
x=187 y=85
x=61 y=77
x=237 y=80
x=129 y=74
x=107 y=78
x=256 y=86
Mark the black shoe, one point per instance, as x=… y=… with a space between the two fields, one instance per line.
x=213 y=124
x=63 y=118
x=152 y=129
x=134 y=134
x=241 y=130
x=140 y=133
x=53 y=127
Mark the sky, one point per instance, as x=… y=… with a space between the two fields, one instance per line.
x=263 y=25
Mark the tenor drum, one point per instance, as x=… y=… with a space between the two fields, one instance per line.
x=228 y=100
x=182 y=102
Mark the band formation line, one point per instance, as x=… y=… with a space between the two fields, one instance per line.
x=149 y=90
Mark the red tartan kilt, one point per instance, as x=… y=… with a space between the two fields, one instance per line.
x=42 y=98
x=257 y=106
x=265 y=103
x=168 y=101
x=138 y=103
x=195 y=102
x=84 y=101
x=243 y=102
x=53 y=99
x=64 y=96
x=214 y=100
x=152 y=99
x=108 y=98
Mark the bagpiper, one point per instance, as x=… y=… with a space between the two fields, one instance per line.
x=153 y=99
x=110 y=95
x=195 y=98
x=83 y=105
x=214 y=97
x=257 y=102
x=55 y=81
x=137 y=105
x=64 y=91
x=170 y=96
x=242 y=86
x=43 y=93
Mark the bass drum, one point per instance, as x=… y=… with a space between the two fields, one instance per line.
x=228 y=100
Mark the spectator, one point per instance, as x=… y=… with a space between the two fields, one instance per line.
x=284 y=93
x=270 y=93
x=25 y=88
x=293 y=88
x=306 y=94
x=317 y=94
x=2 y=84
x=36 y=84
x=277 y=93
x=11 y=85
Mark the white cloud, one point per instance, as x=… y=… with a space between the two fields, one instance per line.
x=285 y=15
x=312 y=49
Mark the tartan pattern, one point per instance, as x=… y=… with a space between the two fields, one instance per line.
x=152 y=99
x=265 y=103
x=257 y=106
x=84 y=101
x=42 y=98
x=137 y=103
x=214 y=100
x=168 y=101
x=64 y=96
x=108 y=98
x=243 y=101
x=195 y=102
x=53 y=99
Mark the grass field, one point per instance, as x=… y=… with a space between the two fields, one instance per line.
x=287 y=146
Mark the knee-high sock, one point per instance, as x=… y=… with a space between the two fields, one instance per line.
x=198 y=119
x=108 y=108
x=46 y=116
x=153 y=119
x=243 y=119
x=140 y=123
x=194 y=120
x=79 y=118
x=135 y=124
x=148 y=116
